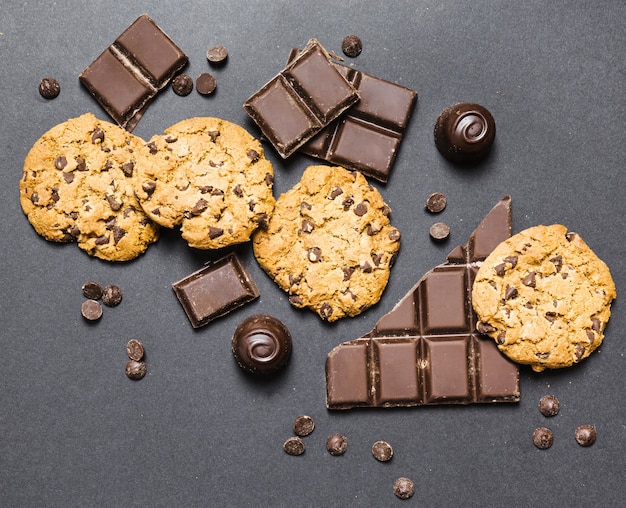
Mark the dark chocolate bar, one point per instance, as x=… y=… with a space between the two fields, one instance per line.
x=215 y=290
x=427 y=350
x=367 y=136
x=132 y=70
x=301 y=100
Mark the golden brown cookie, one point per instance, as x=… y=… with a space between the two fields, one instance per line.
x=78 y=185
x=209 y=176
x=329 y=243
x=545 y=297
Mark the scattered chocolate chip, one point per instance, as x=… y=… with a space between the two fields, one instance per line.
x=135 y=349
x=315 y=254
x=351 y=46
x=439 y=231
x=92 y=290
x=97 y=136
x=543 y=438
x=549 y=405
x=182 y=85
x=294 y=446
x=585 y=435
x=60 y=162
x=91 y=310
x=336 y=444
x=436 y=202
x=303 y=425
x=205 y=84
x=382 y=451
x=403 y=488
x=135 y=370
x=49 y=88
x=111 y=296
x=217 y=55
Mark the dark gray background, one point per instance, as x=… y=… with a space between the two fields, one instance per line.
x=74 y=431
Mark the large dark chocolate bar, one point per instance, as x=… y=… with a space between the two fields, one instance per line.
x=215 y=290
x=132 y=70
x=308 y=94
x=367 y=136
x=427 y=350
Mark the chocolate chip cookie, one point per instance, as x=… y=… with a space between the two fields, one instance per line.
x=545 y=297
x=78 y=185
x=329 y=243
x=210 y=177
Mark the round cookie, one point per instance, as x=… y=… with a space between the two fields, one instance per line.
x=78 y=185
x=329 y=243
x=210 y=177
x=545 y=297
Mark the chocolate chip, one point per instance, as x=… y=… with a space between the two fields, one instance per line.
x=91 y=310
x=135 y=349
x=205 y=84
x=253 y=155
x=97 y=136
x=484 y=327
x=365 y=267
x=351 y=46
x=200 y=206
x=49 y=88
x=60 y=162
x=337 y=191
x=68 y=177
x=551 y=316
x=436 y=202
x=215 y=232
x=557 y=261
x=404 y=488
x=372 y=230
x=360 y=209
x=307 y=226
x=439 y=231
x=296 y=300
x=114 y=203
x=500 y=269
x=237 y=191
x=336 y=444
x=529 y=280
x=512 y=260
x=294 y=446
x=585 y=435
x=217 y=55
x=510 y=293
x=549 y=405
x=347 y=272
x=182 y=85
x=303 y=425
x=315 y=254
x=394 y=235
x=579 y=352
x=111 y=296
x=326 y=310
x=81 y=165
x=92 y=290
x=382 y=451
x=347 y=203
x=543 y=438
x=149 y=187
x=269 y=179
x=214 y=135
x=135 y=370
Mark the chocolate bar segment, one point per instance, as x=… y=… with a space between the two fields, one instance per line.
x=215 y=290
x=427 y=350
x=301 y=100
x=366 y=137
x=130 y=72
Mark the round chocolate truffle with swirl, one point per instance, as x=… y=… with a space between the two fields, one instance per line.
x=464 y=132
x=261 y=345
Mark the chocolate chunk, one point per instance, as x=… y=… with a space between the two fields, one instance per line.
x=97 y=136
x=585 y=435
x=261 y=345
x=301 y=100
x=294 y=446
x=215 y=232
x=182 y=85
x=464 y=132
x=91 y=310
x=215 y=290
x=92 y=290
x=128 y=168
x=439 y=231
x=132 y=70
x=382 y=451
x=217 y=55
x=436 y=202
x=351 y=46
x=530 y=279
x=543 y=438
x=549 y=405
x=404 y=488
x=111 y=296
x=510 y=293
x=336 y=444
x=206 y=83
x=49 y=88
x=135 y=349
x=136 y=370
x=427 y=350
x=303 y=425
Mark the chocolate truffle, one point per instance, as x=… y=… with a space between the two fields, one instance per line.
x=464 y=132
x=261 y=344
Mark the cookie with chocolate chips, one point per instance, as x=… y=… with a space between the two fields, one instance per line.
x=210 y=177
x=78 y=185
x=329 y=243
x=545 y=297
